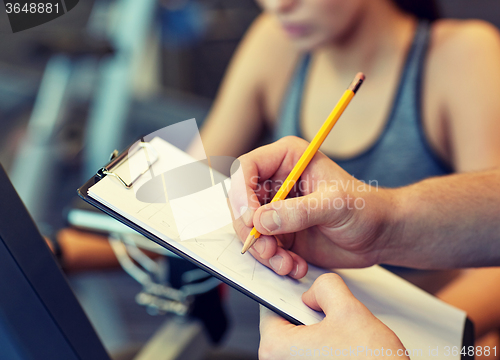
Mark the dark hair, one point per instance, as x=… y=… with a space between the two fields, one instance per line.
x=422 y=9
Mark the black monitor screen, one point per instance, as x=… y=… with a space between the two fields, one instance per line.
x=40 y=318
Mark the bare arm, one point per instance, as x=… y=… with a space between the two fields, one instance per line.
x=454 y=221
x=464 y=73
x=86 y=251
x=447 y=222
x=477 y=292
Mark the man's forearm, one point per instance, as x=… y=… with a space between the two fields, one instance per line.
x=447 y=222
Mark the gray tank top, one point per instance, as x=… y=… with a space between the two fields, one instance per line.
x=401 y=155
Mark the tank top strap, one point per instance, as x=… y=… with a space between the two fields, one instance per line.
x=288 y=119
x=405 y=123
x=409 y=89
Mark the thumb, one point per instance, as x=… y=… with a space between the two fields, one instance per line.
x=328 y=293
x=295 y=214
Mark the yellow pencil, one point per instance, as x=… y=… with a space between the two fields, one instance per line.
x=310 y=151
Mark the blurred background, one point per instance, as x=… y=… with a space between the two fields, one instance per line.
x=94 y=80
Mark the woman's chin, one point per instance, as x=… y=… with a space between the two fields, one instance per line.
x=307 y=44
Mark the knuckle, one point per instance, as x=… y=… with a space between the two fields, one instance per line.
x=235 y=166
x=287 y=139
x=301 y=215
x=331 y=279
x=244 y=165
x=293 y=141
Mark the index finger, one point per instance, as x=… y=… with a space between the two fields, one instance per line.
x=272 y=161
x=277 y=158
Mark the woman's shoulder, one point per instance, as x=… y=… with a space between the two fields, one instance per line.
x=463 y=83
x=461 y=54
x=462 y=40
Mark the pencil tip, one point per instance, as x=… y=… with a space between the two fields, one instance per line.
x=248 y=243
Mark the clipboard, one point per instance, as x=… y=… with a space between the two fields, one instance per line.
x=117 y=159
x=362 y=282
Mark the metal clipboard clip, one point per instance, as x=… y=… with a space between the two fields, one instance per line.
x=118 y=160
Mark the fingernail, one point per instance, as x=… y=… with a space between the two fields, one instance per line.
x=296 y=270
x=276 y=262
x=270 y=220
x=260 y=246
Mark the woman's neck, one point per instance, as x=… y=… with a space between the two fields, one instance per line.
x=379 y=32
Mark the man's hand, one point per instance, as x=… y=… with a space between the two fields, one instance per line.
x=330 y=219
x=349 y=329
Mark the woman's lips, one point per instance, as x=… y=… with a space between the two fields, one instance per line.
x=295 y=30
